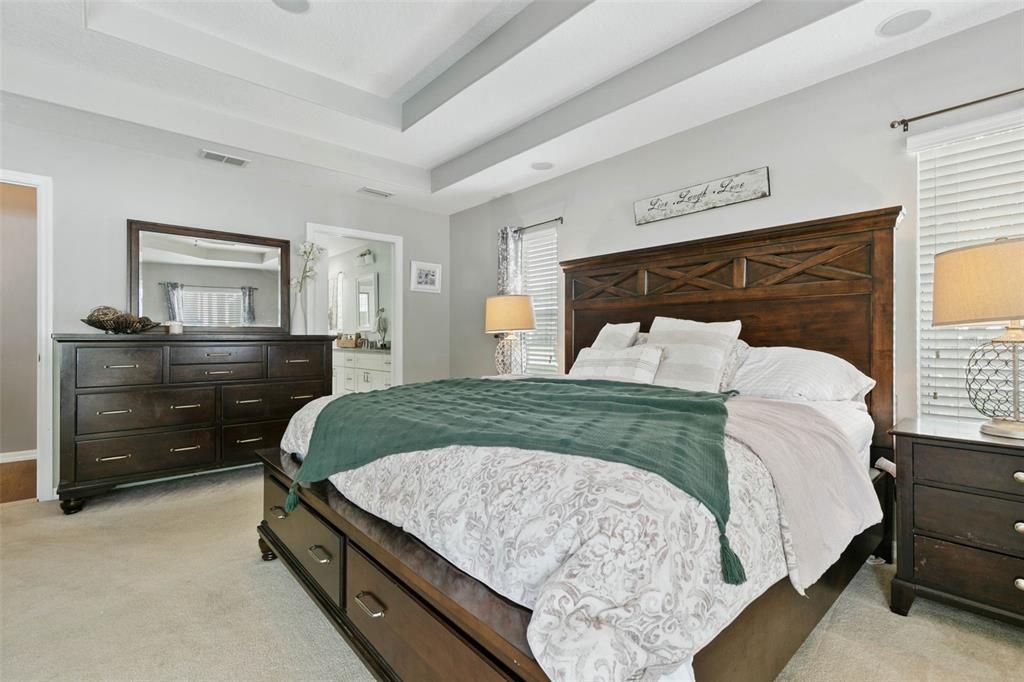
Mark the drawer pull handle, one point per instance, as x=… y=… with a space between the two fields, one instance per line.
x=103 y=413
x=214 y=372
x=1018 y=476
x=121 y=366
x=249 y=440
x=218 y=355
x=303 y=361
x=374 y=613
x=250 y=401
x=1019 y=584
x=191 y=447
x=190 y=406
x=319 y=554
x=302 y=397
x=114 y=458
x=279 y=513
x=1019 y=527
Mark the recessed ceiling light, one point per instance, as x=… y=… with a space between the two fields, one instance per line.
x=542 y=165
x=904 y=22
x=293 y=6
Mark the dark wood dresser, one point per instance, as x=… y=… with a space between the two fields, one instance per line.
x=147 y=406
x=960 y=518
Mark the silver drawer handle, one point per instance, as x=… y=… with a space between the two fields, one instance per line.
x=104 y=413
x=191 y=447
x=319 y=554
x=250 y=401
x=114 y=458
x=1018 y=476
x=387 y=362
x=1019 y=584
x=301 y=397
x=249 y=440
x=279 y=512
x=1019 y=527
x=120 y=366
x=190 y=406
x=296 y=362
x=375 y=613
x=218 y=355
x=215 y=372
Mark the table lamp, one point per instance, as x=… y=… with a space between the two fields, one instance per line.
x=507 y=315
x=979 y=285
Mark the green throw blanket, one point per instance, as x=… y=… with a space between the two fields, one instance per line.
x=676 y=434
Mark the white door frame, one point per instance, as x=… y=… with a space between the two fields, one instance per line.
x=43 y=185
x=317 y=303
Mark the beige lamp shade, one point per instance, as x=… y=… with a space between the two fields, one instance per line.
x=510 y=313
x=978 y=284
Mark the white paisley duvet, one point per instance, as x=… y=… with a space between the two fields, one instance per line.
x=620 y=568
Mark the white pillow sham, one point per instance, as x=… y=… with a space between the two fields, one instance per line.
x=695 y=353
x=785 y=373
x=737 y=354
x=637 y=365
x=616 y=336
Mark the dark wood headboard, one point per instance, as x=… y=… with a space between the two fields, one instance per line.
x=823 y=284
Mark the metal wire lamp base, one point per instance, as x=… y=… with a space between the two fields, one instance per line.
x=994 y=382
x=508 y=356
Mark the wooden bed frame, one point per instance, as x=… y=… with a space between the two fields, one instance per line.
x=824 y=284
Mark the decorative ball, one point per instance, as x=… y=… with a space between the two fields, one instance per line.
x=990 y=378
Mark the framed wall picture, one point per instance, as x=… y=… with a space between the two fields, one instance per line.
x=425 y=277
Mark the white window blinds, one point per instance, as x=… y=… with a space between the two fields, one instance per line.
x=211 y=306
x=969 y=192
x=541 y=276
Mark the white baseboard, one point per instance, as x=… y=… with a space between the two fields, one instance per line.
x=19 y=456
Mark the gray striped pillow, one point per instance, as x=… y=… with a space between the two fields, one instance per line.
x=637 y=365
x=695 y=353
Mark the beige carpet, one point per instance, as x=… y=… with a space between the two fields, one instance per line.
x=164 y=582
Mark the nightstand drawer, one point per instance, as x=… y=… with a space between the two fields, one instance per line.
x=985 y=522
x=972 y=468
x=985 y=577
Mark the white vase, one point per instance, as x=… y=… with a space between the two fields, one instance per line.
x=299 y=319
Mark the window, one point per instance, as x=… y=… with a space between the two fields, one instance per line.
x=969 y=192
x=541 y=276
x=211 y=306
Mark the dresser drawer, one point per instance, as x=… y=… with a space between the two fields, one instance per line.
x=241 y=442
x=254 y=402
x=973 y=468
x=985 y=522
x=378 y=362
x=128 y=455
x=98 y=367
x=317 y=547
x=417 y=644
x=219 y=372
x=199 y=355
x=982 y=576
x=118 y=411
x=295 y=360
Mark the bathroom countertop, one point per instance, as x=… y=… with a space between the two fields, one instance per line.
x=386 y=351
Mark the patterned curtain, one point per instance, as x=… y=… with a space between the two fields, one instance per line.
x=172 y=291
x=510 y=261
x=248 y=305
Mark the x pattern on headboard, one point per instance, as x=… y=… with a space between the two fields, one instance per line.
x=822 y=284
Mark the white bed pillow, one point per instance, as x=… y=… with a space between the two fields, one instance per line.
x=695 y=353
x=637 y=365
x=737 y=354
x=641 y=339
x=785 y=373
x=616 y=336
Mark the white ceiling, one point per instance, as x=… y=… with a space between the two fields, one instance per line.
x=445 y=104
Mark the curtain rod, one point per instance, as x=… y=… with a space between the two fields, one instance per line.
x=905 y=122
x=543 y=222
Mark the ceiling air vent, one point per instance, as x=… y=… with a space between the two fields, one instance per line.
x=211 y=155
x=376 y=192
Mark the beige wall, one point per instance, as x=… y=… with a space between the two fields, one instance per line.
x=17 y=318
x=830 y=151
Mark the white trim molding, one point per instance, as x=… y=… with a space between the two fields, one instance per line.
x=963 y=131
x=45 y=413
x=20 y=456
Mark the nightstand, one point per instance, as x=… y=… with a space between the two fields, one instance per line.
x=960 y=518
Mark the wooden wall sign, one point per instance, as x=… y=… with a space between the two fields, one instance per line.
x=732 y=189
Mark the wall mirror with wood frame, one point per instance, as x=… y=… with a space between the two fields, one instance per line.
x=209 y=281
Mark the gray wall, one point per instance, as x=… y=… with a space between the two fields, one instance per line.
x=267 y=283
x=830 y=151
x=17 y=318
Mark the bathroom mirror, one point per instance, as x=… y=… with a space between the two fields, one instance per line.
x=366 y=301
x=206 y=279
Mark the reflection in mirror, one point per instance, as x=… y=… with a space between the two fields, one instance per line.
x=206 y=282
x=360 y=281
x=366 y=292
